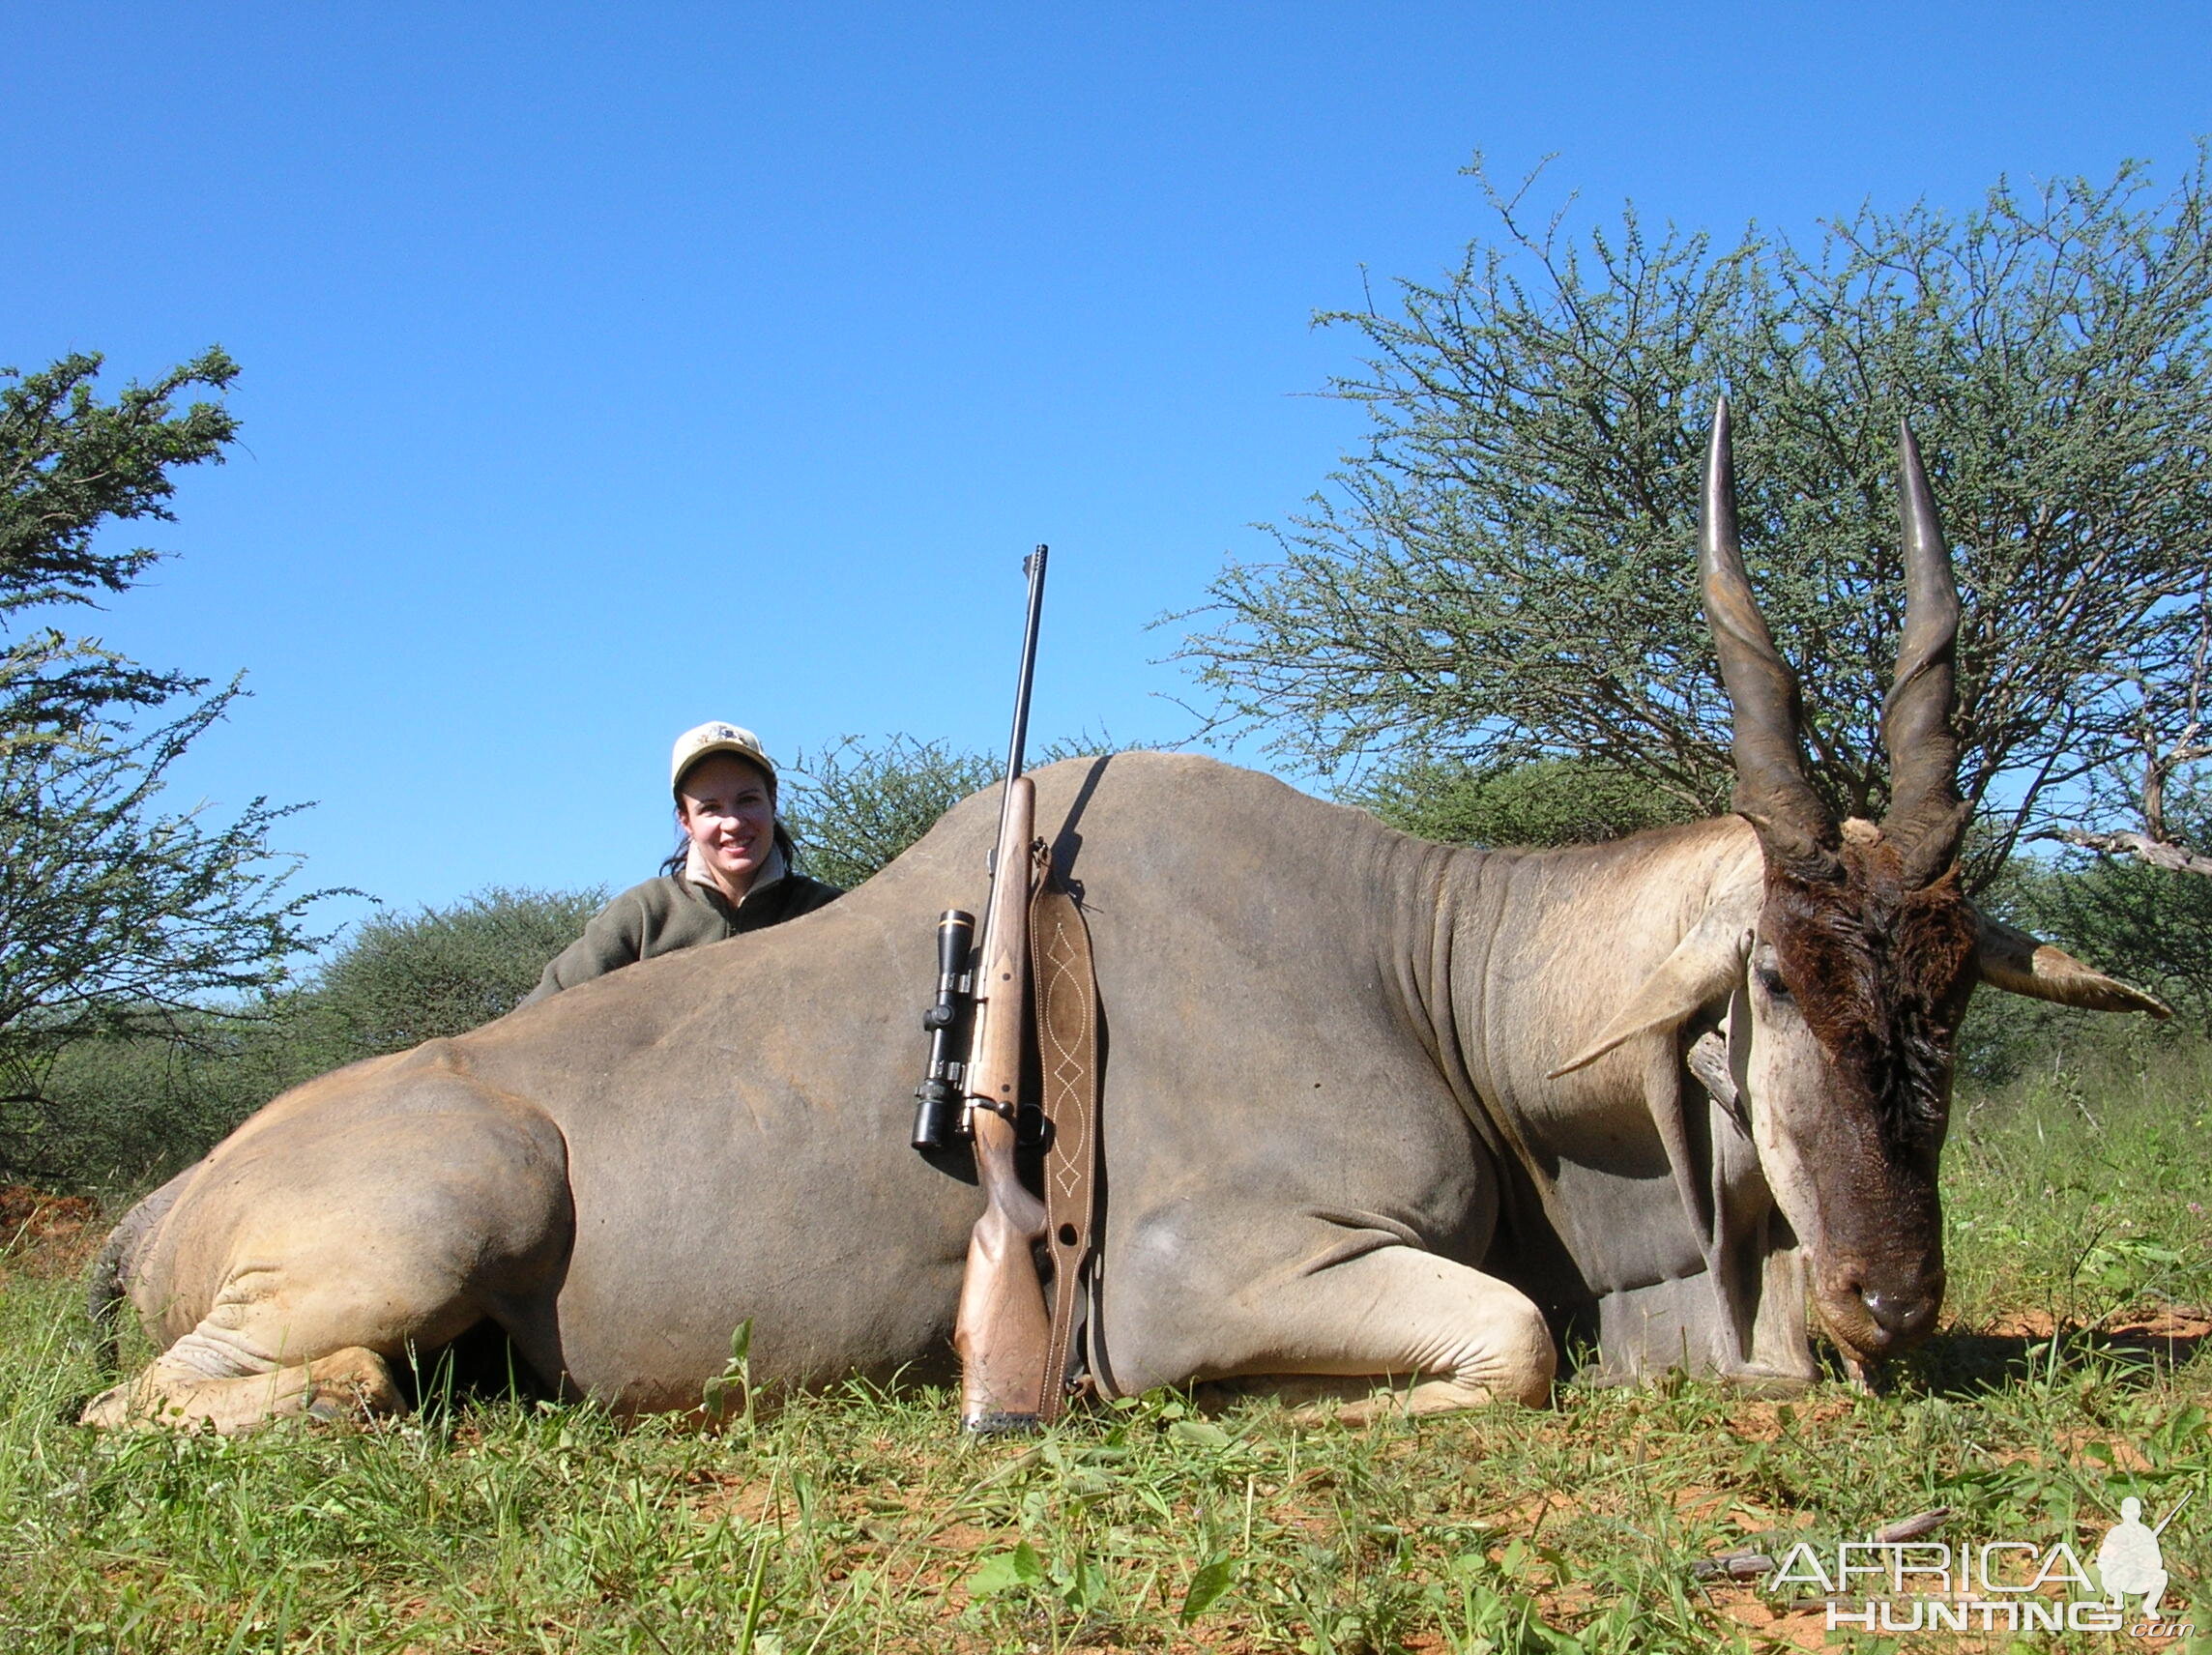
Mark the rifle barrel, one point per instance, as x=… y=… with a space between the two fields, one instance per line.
x=1034 y=566
x=2171 y=1515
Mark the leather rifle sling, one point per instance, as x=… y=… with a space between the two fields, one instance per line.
x=1066 y=993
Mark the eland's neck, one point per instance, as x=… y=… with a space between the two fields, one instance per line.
x=1502 y=960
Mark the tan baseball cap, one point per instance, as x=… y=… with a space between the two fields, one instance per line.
x=708 y=740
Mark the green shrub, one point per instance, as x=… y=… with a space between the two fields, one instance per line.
x=2149 y=925
x=406 y=978
x=1549 y=802
x=123 y=1113
x=853 y=807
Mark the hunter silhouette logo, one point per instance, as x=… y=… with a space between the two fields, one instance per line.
x=1993 y=1586
x=2129 y=1561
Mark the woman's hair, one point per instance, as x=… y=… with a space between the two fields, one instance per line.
x=676 y=859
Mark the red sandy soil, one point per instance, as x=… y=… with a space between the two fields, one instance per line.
x=44 y=1234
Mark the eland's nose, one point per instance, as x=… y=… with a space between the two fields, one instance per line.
x=1903 y=1314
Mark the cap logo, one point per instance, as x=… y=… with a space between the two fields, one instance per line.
x=701 y=739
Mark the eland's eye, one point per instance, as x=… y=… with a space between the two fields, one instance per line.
x=1771 y=981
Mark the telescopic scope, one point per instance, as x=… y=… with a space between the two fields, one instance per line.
x=939 y=1116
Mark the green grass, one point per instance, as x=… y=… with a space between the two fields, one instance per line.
x=857 y=1520
x=2081 y=1189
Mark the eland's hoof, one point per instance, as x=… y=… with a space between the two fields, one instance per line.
x=353 y=1383
x=109 y=1409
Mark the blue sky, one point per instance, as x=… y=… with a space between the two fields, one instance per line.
x=611 y=368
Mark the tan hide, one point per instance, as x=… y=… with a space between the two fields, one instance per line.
x=1702 y=968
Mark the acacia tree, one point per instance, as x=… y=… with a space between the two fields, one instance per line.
x=2173 y=740
x=1504 y=573
x=115 y=916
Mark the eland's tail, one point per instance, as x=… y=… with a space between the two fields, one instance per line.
x=104 y=1289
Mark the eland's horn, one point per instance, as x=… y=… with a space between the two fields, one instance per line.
x=1795 y=828
x=1926 y=816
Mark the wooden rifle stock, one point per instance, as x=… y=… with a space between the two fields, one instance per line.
x=1003 y=1332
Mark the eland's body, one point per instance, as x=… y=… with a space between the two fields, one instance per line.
x=1373 y=1108
x=1294 y=1117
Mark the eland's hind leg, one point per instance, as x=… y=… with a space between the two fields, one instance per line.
x=1413 y=1331
x=329 y=1248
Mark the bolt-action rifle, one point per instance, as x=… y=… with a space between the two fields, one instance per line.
x=1003 y=1332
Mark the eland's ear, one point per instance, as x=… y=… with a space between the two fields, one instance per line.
x=1703 y=967
x=2011 y=960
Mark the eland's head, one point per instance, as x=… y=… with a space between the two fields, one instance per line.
x=1864 y=952
x=1841 y=984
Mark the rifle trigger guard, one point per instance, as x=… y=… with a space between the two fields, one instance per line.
x=1031 y=1127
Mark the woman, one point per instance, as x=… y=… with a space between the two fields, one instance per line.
x=731 y=871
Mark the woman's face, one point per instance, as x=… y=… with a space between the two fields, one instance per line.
x=730 y=814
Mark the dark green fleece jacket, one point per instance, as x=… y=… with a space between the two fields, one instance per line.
x=676 y=912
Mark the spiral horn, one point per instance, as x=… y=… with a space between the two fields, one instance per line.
x=1926 y=816
x=1795 y=828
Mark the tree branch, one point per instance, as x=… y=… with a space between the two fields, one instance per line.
x=2158 y=852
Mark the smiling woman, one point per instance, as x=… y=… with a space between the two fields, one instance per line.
x=731 y=870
